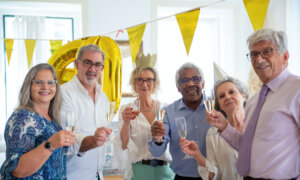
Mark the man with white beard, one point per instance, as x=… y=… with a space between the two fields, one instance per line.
x=84 y=95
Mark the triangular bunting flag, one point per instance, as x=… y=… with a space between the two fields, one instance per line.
x=54 y=45
x=29 y=45
x=257 y=10
x=135 y=35
x=9 y=43
x=187 y=23
x=219 y=73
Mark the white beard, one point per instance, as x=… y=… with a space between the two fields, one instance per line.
x=90 y=81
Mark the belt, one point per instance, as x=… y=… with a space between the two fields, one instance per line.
x=251 y=178
x=153 y=162
x=178 y=177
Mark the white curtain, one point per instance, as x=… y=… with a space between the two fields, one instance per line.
x=23 y=27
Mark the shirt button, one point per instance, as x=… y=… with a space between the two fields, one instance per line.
x=196 y=127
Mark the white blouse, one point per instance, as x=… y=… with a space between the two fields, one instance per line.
x=137 y=148
x=221 y=158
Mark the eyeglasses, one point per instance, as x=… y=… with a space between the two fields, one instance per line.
x=195 y=80
x=41 y=83
x=140 y=81
x=88 y=64
x=265 y=53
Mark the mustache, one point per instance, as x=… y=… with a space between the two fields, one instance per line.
x=262 y=64
x=91 y=73
x=191 y=88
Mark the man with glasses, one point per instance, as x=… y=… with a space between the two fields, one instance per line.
x=84 y=95
x=189 y=82
x=269 y=147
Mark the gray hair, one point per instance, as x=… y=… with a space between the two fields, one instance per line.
x=238 y=84
x=186 y=66
x=138 y=71
x=25 y=101
x=90 y=48
x=279 y=38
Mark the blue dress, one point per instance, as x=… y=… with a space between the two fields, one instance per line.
x=24 y=131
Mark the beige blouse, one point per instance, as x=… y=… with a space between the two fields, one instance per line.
x=137 y=145
x=221 y=158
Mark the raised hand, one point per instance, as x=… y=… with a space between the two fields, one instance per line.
x=62 y=138
x=216 y=119
x=128 y=115
x=101 y=135
x=189 y=147
x=157 y=130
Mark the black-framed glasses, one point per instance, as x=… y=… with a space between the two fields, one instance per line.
x=88 y=64
x=195 y=79
x=140 y=81
x=265 y=53
x=41 y=83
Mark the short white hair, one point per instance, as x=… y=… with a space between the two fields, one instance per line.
x=188 y=66
x=279 y=38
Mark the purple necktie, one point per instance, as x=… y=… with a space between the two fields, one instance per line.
x=243 y=162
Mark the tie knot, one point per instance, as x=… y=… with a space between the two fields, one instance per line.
x=264 y=90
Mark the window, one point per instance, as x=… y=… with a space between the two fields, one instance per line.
x=207 y=47
x=39 y=21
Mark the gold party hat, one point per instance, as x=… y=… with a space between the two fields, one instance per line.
x=146 y=61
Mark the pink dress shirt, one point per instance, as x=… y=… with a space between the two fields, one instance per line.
x=275 y=152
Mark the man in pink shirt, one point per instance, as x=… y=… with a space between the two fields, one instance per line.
x=269 y=147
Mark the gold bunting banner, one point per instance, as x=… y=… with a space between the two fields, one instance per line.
x=54 y=45
x=187 y=23
x=257 y=10
x=29 y=45
x=9 y=43
x=135 y=35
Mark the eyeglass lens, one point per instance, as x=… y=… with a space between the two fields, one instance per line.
x=88 y=64
x=195 y=79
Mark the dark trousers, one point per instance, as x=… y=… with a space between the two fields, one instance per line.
x=177 y=177
x=251 y=178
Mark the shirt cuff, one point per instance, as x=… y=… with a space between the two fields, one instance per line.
x=204 y=171
x=228 y=131
x=78 y=140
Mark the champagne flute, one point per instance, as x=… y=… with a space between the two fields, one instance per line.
x=209 y=102
x=135 y=105
x=182 y=130
x=70 y=126
x=110 y=115
x=160 y=113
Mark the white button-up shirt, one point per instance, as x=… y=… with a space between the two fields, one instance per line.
x=88 y=117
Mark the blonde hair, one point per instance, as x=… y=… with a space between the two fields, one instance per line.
x=137 y=73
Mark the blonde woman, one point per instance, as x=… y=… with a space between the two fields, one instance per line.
x=131 y=145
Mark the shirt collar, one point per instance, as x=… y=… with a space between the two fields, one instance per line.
x=182 y=105
x=276 y=83
x=82 y=89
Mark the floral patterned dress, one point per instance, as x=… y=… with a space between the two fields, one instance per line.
x=24 y=131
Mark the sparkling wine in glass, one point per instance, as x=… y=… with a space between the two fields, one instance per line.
x=70 y=125
x=209 y=101
x=135 y=105
x=182 y=130
x=110 y=115
x=160 y=113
